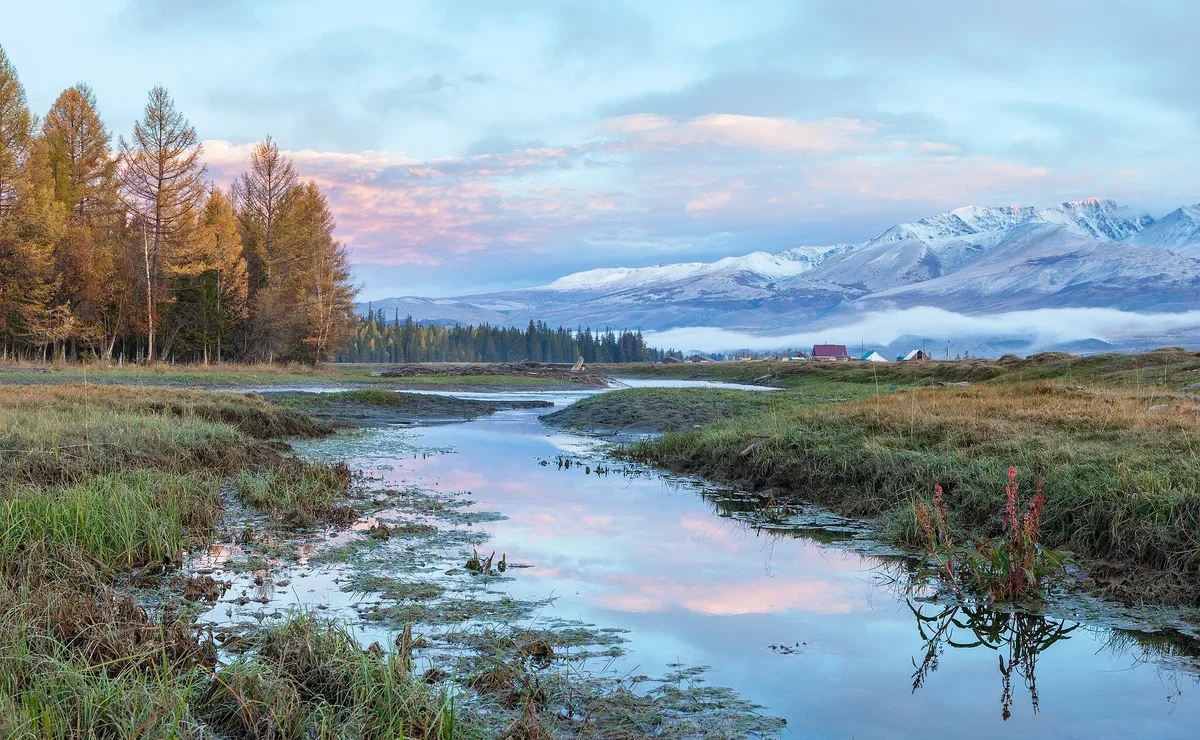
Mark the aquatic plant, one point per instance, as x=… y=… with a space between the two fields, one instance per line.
x=1009 y=568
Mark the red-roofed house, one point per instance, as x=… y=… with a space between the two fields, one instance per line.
x=829 y=352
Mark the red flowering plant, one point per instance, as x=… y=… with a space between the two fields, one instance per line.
x=1011 y=567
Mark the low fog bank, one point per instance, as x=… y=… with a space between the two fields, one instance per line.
x=1079 y=330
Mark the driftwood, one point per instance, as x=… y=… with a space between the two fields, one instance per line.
x=26 y=369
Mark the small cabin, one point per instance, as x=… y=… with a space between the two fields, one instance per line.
x=873 y=356
x=917 y=355
x=829 y=352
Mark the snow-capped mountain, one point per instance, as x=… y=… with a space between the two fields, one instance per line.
x=1094 y=217
x=762 y=267
x=1178 y=231
x=974 y=260
x=1034 y=262
x=960 y=222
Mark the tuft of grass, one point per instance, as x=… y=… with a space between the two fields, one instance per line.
x=308 y=677
x=297 y=492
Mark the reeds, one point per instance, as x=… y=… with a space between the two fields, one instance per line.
x=120 y=519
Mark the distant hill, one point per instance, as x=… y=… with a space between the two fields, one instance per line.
x=979 y=261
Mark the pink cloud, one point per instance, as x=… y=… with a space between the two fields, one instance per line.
x=759 y=596
x=644 y=180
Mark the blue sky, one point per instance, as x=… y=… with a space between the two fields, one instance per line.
x=470 y=146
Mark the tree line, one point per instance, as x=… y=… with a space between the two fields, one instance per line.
x=131 y=252
x=375 y=339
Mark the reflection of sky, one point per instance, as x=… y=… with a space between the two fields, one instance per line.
x=703 y=589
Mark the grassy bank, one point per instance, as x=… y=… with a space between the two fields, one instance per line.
x=431 y=376
x=641 y=410
x=1116 y=448
x=1167 y=367
x=98 y=481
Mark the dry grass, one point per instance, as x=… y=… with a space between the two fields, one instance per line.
x=65 y=434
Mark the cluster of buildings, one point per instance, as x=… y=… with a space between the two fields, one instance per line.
x=838 y=353
x=820 y=352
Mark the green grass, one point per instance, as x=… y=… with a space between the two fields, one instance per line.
x=296 y=492
x=120 y=519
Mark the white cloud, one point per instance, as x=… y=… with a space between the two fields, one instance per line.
x=1042 y=327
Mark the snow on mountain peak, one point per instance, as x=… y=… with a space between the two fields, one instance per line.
x=1178 y=231
x=964 y=221
x=1098 y=218
x=760 y=265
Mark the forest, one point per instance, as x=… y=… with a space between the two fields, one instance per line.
x=375 y=339
x=130 y=252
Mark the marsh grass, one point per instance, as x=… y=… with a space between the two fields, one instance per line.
x=309 y=677
x=98 y=480
x=66 y=434
x=119 y=519
x=1120 y=465
x=78 y=659
x=298 y=493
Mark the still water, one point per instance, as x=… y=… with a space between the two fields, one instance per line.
x=811 y=631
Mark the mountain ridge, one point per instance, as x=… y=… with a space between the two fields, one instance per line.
x=1085 y=253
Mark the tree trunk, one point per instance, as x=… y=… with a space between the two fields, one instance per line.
x=149 y=296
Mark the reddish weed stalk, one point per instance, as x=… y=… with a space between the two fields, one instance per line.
x=1011 y=567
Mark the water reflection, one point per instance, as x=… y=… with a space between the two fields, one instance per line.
x=697 y=578
x=1016 y=637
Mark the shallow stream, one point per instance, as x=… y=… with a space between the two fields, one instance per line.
x=795 y=616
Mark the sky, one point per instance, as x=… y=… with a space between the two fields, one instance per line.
x=477 y=146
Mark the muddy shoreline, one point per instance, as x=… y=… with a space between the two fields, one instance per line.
x=377 y=406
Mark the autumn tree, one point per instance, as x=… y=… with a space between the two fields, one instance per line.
x=305 y=311
x=85 y=183
x=33 y=223
x=16 y=131
x=211 y=283
x=261 y=193
x=163 y=185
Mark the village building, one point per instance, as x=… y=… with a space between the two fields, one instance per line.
x=829 y=352
x=873 y=356
x=917 y=355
